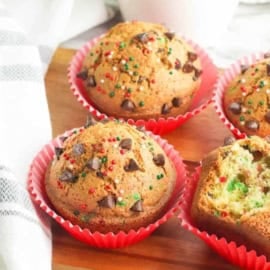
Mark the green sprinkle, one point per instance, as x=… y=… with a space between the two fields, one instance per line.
x=76 y=212
x=150 y=187
x=151 y=149
x=250 y=102
x=160 y=176
x=122 y=203
x=135 y=73
x=126 y=66
x=91 y=54
x=256 y=69
x=112 y=94
x=118 y=138
x=136 y=196
x=131 y=58
x=104 y=159
x=129 y=90
x=171 y=73
x=242 y=118
x=258 y=204
x=83 y=174
x=87 y=217
x=141 y=103
x=261 y=84
x=170 y=51
x=249 y=111
x=236 y=184
x=101 y=43
x=136 y=66
x=122 y=45
x=216 y=213
x=117 y=86
x=75 y=132
x=261 y=102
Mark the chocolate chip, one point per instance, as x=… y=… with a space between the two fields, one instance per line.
x=90 y=121
x=78 y=149
x=100 y=175
x=197 y=74
x=91 y=81
x=58 y=152
x=267 y=117
x=235 y=107
x=176 y=102
x=229 y=140
x=63 y=138
x=169 y=35
x=131 y=166
x=137 y=207
x=142 y=37
x=188 y=67
x=257 y=155
x=177 y=64
x=128 y=105
x=268 y=70
x=244 y=68
x=107 y=202
x=68 y=176
x=192 y=56
x=266 y=55
x=252 y=125
x=265 y=189
x=159 y=160
x=165 y=109
x=126 y=144
x=83 y=74
x=93 y=164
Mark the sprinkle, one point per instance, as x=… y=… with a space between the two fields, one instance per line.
x=160 y=176
x=261 y=102
x=117 y=86
x=243 y=80
x=224 y=214
x=113 y=162
x=110 y=56
x=123 y=61
x=136 y=66
x=131 y=58
x=112 y=94
x=91 y=54
x=118 y=138
x=130 y=72
x=141 y=88
x=150 y=187
x=244 y=94
x=258 y=90
x=119 y=199
x=104 y=159
x=110 y=168
x=114 y=68
x=83 y=174
x=116 y=181
x=268 y=91
x=129 y=90
x=141 y=103
x=107 y=187
x=76 y=212
x=122 y=203
x=121 y=191
x=158 y=60
x=242 y=118
x=122 y=45
x=250 y=102
x=171 y=73
x=126 y=67
x=135 y=73
x=136 y=196
x=261 y=84
x=122 y=151
x=70 y=166
x=244 y=109
x=242 y=123
x=256 y=69
x=102 y=81
x=91 y=191
x=169 y=51
x=216 y=213
x=123 y=87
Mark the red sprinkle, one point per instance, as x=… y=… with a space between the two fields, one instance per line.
x=107 y=187
x=252 y=74
x=222 y=179
x=60 y=185
x=72 y=161
x=122 y=151
x=153 y=81
x=107 y=43
x=107 y=53
x=110 y=168
x=83 y=206
x=102 y=151
x=259 y=168
x=91 y=191
x=97 y=51
x=224 y=214
x=152 y=39
x=113 y=162
x=104 y=173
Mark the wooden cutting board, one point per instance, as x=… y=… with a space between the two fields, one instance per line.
x=170 y=246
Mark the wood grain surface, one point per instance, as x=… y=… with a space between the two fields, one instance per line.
x=170 y=246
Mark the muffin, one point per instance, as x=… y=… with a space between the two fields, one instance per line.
x=246 y=99
x=232 y=198
x=110 y=177
x=141 y=70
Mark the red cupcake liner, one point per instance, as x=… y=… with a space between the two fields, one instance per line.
x=237 y=255
x=36 y=187
x=162 y=125
x=223 y=82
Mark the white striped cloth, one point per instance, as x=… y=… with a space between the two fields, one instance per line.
x=25 y=237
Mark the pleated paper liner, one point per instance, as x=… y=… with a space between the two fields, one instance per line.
x=159 y=126
x=36 y=187
x=237 y=255
x=222 y=83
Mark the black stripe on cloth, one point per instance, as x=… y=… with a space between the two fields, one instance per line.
x=20 y=73
x=6 y=213
x=12 y=38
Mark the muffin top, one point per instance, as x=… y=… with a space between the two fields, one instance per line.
x=246 y=99
x=141 y=70
x=109 y=169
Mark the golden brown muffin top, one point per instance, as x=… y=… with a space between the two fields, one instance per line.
x=246 y=99
x=110 y=169
x=140 y=70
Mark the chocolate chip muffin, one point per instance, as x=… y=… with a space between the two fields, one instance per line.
x=232 y=198
x=110 y=177
x=141 y=70
x=246 y=100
